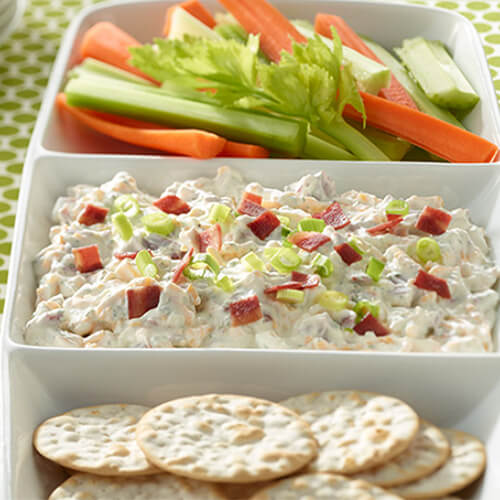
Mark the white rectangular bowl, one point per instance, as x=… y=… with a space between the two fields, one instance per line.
x=387 y=23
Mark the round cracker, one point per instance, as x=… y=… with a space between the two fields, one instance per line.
x=90 y=487
x=466 y=463
x=226 y=438
x=355 y=430
x=427 y=452
x=96 y=439
x=322 y=485
x=241 y=491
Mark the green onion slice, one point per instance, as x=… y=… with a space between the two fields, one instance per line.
x=285 y=260
x=316 y=225
x=253 y=262
x=333 y=300
x=158 y=222
x=397 y=207
x=290 y=296
x=225 y=283
x=363 y=307
x=284 y=220
x=127 y=204
x=428 y=249
x=203 y=260
x=145 y=264
x=322 y=265
x=374 y=268
x=354 y=243
x=122 y=225
x=219 y=213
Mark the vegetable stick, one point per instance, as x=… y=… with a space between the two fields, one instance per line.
x=439 y=137
x=195 y=8
x=187 y=142
x=108 y=43
x=259 y=16
x=323 y=23
x=241 y=150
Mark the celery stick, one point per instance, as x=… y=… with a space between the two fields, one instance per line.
x=319 y=149
x=138 y=102
x=417 y=94
x=232 y=32
x=436 y=72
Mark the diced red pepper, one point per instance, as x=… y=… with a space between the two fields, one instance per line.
x=308 y=240
x=300 y=281
x=264 y=225
x=92 y=214
x=211 y=237
x=430 y=282
x=182 y=265
x=252 y=197
x=141 y=299
x=385 y=227
x=249 y=207
x=433 y=220
x=87 y=259
x=245 y=311
x=335 y=216
x=371 y=324
x=348 y=254
x=171 y=204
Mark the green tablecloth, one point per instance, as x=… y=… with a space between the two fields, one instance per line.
x=26 y=59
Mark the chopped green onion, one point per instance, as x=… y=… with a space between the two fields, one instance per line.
x=354 y=243
x=226 y=283
x=122 y=226
x=316 y=225
x=202 y=260
x=333 y=300
x=285 y=241
x=126 y=204
x=270 y=252
x=219 y=213
x=374 y=268
x=284 y=220
x=145 y=264
x=158 y=222
x=397 y=207
x=290 y=296
x=322 y=265
x=285 y=260
x=285 y=231
x=428 y=249
x=253 y=262
x=363 y=307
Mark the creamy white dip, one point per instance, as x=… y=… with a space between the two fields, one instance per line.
x=75 y=309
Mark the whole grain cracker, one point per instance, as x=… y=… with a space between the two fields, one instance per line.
x=427 y=452
x=96 y=439
x=355 y=430
x=226 y=438
x=322 y=485
x=164 y=486
x=466 y=463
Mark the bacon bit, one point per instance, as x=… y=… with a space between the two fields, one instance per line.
x=308 y=240
x=433 y=220
x=392 y=216
x=335 y=216
x=87 y=259
x=264 y=225
x=171 y=204
x=142 y=299
x=245 y=311
x=385 y=227
x=183 y=264
x=252 y=197
x=371 y=324
x=317 y=215
x=300 y=281
x=92 y=214
x=128 y=255
x=211 y=237
x=348 y=254
x=430 y=282
x=249 y=207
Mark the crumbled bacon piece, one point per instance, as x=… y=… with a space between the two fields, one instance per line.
x=249 y=207
x=252 y=197
x=128 y=255
x=385 y=227
x=264 y=225
x=211 y=237
x=299 y=281
x=171 y=204
x=183 y=264
x=245 y=311
x=348 y=254
x=87 y=259
x=92 y=214
x=371 y=324
x=335 y=216
x=141 y=299
x=430 y=282
x=308 y=240
x=433 y=220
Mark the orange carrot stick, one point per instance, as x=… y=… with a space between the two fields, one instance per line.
x=259 y=16
x=195 y=8
x=436 y=136
x=395 y=91
x=110 y=44
x=187 y=142
x=241 y=150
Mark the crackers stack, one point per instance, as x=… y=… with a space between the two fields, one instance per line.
x=332 y=445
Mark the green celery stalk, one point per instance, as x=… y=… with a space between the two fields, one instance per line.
x=134 y=101
x=238 y=33
x=319 y=149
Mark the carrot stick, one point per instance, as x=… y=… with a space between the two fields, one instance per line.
x=110 y=44
x=187 y=142
x=241 y=150
x=259 y=16
x=323 y=23
x=436 y=136
x=195 y=8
